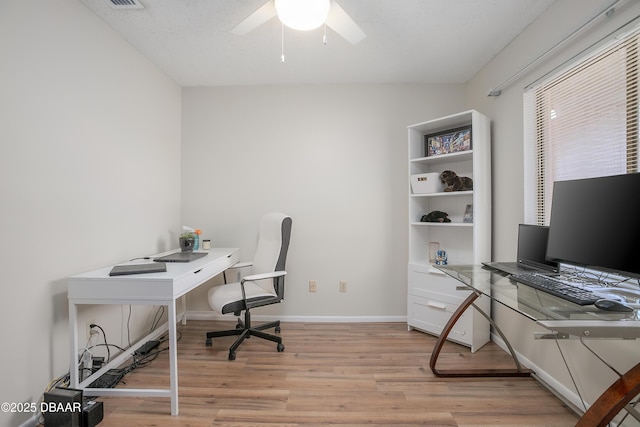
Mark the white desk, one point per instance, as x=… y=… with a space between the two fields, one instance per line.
x=97 y=287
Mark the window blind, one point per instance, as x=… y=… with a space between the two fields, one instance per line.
x=582 y=123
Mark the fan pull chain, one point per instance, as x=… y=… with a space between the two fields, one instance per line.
x=282 y=43
x=324 y=38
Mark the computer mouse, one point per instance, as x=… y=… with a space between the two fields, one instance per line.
x=611 y=305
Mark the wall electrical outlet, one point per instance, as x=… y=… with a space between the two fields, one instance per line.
x=343 y=286
x=313 y=286
x=90 y=330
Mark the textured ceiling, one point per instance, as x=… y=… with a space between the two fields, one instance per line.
x=408 y=41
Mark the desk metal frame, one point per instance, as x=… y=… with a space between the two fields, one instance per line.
x=468 y=373
x=610 y=402
x=97 y=287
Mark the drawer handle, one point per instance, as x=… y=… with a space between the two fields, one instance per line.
x=436 y=305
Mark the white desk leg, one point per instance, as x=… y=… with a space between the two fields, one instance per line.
x=73 y=334
x=173 y=357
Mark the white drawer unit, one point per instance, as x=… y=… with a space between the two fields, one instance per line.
x=430 y=315
x=432 y=299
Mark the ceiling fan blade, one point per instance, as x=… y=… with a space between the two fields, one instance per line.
x=342 y=24
x=257 y=18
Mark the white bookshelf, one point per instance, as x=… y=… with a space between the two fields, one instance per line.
x=432 y=296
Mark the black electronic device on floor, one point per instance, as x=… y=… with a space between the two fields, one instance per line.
x=62 y=407
x=66 y=407
x=92 y=413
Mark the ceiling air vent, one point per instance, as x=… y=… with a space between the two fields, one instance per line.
x=126 y=4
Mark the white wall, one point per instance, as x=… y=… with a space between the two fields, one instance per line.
x=89 y=175
x=335 y=159
x=505 y=111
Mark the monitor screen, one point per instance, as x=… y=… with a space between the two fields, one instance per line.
x=595 y=223
x=532 y=246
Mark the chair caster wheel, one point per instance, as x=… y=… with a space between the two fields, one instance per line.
x=208 y=342
x=277 y=329
x=239 y=326
x=232 y=356
x=280 y=348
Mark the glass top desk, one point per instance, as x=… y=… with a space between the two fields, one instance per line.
x=562 y=318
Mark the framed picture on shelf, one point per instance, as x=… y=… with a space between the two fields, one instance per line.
x=450 y=141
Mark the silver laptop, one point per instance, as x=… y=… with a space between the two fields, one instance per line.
x=147 y=267
x=532 y=249
x=181 y=257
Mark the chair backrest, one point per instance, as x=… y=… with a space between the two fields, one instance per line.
x=271 y=253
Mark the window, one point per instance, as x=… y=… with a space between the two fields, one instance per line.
x=582 y=123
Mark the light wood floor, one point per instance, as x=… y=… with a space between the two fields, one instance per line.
x=346 y=374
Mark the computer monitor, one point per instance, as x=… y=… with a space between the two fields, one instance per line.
x=595 y=223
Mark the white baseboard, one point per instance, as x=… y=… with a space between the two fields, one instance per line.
x=210 y=315
x=568 y=396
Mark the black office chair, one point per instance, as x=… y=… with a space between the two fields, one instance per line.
x=264 y=286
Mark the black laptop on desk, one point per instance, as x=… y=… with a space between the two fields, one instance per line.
x=181 y=257
x=532 y=249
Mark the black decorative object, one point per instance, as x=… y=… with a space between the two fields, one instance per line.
x=435 y=216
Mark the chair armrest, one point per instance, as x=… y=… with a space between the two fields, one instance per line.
x=241 y=265
x=234 y=266
x=257 y=277
x=263 y=276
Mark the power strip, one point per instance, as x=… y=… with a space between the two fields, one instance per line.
x=147 y=347
x=98 y=362
x=109 y=379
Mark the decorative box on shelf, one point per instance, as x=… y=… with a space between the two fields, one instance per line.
x=426 y=183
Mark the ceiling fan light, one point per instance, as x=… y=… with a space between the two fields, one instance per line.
x=302 y=14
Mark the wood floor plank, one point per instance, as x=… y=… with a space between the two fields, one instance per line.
x=346 y=374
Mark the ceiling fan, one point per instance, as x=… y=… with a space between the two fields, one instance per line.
x=331 y=14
